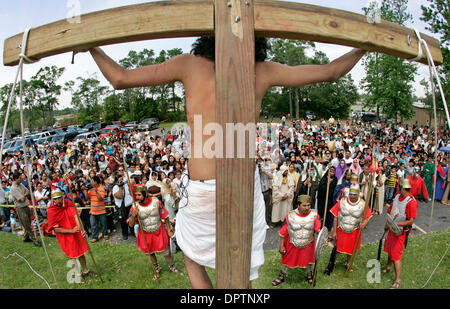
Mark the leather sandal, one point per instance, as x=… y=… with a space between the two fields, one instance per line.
x=309 y=277
x=157 y=270
x=279 y=280
x=396 y=285
x=386 y=270
x=90 y=274
x=351 y=269
x=176 y=271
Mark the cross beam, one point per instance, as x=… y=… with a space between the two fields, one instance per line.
x=176 y=18
x=235 y=77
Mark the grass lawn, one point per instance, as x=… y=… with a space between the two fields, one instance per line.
x=124 y=267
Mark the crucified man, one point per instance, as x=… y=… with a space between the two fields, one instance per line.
x=196 y=226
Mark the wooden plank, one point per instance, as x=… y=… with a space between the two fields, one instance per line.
x=300 y=21
x=235 y=103
x=184 y=18
x=156 y=20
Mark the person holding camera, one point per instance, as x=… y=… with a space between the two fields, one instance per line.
x=123 y=201
x=20 y=196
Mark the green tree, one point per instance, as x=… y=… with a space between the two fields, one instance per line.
x=167 y=101
x=388 y=81
x=43 y=92
x=87 y=98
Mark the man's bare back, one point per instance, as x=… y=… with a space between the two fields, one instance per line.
x=198 y=77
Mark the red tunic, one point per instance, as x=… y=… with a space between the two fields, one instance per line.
x=294 y=256
x=158 y=241
x=346 y=241
x=393 y=245
x=418 y=187
x=73 y=245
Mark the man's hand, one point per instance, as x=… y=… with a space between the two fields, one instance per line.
x=333 y=234
x=135 y=211
x=364 y=224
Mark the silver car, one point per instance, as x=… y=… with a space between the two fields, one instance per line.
x=148 y=124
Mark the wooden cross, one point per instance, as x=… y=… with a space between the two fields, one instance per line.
x=234 y=24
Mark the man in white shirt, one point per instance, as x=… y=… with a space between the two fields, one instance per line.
x=123 y=201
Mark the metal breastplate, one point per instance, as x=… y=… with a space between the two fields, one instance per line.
x=399 y=208
x=301 y=229
x=350 y=215
x=149 y=216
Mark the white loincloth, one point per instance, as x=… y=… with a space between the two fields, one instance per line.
x=196 y=224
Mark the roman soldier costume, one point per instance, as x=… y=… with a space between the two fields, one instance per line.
x=298 y=239
x=150 y=216
x=402 y=209
x=349 y=216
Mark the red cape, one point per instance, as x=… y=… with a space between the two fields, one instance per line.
x=73 y=245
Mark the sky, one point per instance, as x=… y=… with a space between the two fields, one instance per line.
x=16 y=16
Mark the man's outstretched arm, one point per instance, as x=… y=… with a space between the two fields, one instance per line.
x=295 y=76
x=153 y=75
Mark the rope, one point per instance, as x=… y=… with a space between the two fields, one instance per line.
x=436 y=267
x=24 y=58
x=432 y=69
x=16 y=254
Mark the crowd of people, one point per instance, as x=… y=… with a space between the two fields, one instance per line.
x=300 y=158
x=318 y=159
x=94 y=170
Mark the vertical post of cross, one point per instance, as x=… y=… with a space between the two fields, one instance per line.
x=235 y=103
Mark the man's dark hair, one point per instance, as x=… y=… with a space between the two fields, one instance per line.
x=16 y=176
x=206 y=47
x=96 y=179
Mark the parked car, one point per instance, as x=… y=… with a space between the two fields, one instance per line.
x=367 y=117
x=18 y=145
x=77 y=128
x=112 y=130
x=95 y=126
x=310 y=115
x=132 y=124
x=119 y=123
x=356 y=114
x=88 y=135
x=7 y=145
x=148 y=124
